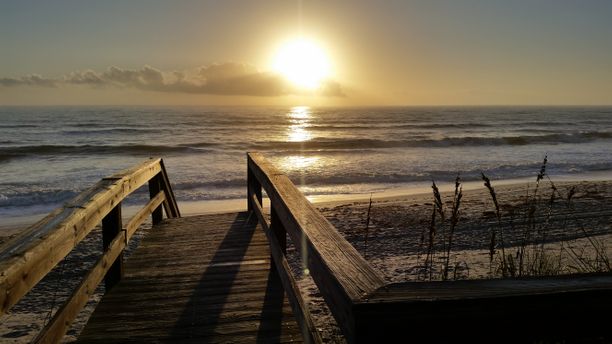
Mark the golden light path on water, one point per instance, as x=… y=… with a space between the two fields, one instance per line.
x=300 y=118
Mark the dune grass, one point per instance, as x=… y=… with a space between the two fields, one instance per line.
x=533 y=255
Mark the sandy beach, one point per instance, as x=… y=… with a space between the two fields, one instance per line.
x=397 y=222
x=393 y=247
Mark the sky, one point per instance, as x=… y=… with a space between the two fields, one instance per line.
x=435 y=52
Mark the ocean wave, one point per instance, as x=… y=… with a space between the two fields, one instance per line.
x=325 y=127
x=17 y=126
x=201 y=144
x=504 y=171
x=219 y=183
x=36 y=197
x=119 y=131
x=125 y=149
x=325 y=143
x=56 y=197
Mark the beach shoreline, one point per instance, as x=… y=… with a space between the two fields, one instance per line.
x=12 y=225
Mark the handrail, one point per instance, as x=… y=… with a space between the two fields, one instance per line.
x=341 y=273
x=278 y=251
x=30 y=256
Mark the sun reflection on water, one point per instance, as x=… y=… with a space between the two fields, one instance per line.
x=299 y=117
x=297 y=131
x=298 y=162
x=300 y=112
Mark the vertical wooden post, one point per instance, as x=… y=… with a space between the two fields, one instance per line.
x=279 y=231
x=277 y=228
x=111 y=227
x=154 y=189
x=253 y=185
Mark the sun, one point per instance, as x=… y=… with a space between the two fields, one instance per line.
x=303 y=62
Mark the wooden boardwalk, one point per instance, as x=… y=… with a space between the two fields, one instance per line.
x=197 y=279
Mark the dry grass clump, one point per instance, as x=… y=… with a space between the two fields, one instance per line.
x=528 y=252
x=430 y=270
x=531 y=256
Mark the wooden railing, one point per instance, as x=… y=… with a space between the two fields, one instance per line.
x=369 y=310
x=27 y=258
x=340 y=272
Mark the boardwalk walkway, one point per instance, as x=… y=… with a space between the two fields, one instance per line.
x=197 y=279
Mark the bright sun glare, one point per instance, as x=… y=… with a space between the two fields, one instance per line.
x=303 y=62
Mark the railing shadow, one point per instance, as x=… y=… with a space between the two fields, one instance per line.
x=270 y=326
x=202 y=313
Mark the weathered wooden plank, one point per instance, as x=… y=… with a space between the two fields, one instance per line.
x=278 y=250
x=144 y=283
x=168 y=313
x=188 y=271
x=237 y=298
x=179 y=298
x=341 y=273
x=221 y=292
x=31 y=255
x=245 y=337
x=232 y=334
x=229 y=325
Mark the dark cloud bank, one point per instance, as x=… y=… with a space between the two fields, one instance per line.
x=219 y=79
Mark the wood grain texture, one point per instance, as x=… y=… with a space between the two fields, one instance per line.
x=340 y=272
x=27 y=258
x=217 y=287
x=278 y=249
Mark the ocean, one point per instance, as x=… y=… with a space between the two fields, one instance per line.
x=49 y=154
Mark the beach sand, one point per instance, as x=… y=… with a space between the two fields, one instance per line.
x=393 y=245
x=397 y=223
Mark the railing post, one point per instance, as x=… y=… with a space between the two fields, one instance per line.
x=253 y=185
x=111 y=227
x=154 y=189
x=279 y=231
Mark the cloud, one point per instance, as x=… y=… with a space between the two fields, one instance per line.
x=228 y=78
x=28 y=80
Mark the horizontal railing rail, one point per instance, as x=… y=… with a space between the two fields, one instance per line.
x=31 y=255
